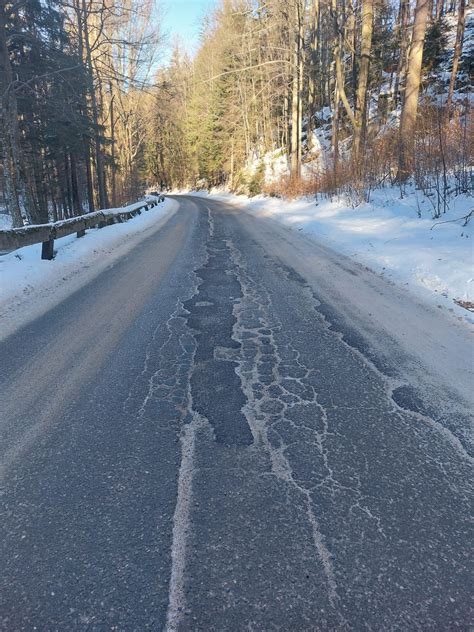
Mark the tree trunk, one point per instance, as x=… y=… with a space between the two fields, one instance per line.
x=67 y=172
x=313 y=70
x=360 y=114
x=112 y=143
x=340 y=81
x=76 y=192
x=9 y=133
x=439 y=9
x=37 y=189
x=335 y=133
x=301 y=63
x=403 y=26
x=89 y=178
x=457 y=50
x=295 y=162
x=95 y=112
x=339 y=71
x=412 y=90
x=86 y=139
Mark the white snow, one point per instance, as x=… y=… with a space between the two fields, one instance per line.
x=30 y=286
x=395 y=237
x=5 y=221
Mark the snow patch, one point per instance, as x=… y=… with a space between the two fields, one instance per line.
x=5 y=221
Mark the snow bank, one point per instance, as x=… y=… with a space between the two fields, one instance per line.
x=396 y=237
x=29 y=285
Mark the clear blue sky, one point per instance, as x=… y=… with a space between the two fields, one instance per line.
x=181 y=18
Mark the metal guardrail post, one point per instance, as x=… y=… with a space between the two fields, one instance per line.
x=47 y=249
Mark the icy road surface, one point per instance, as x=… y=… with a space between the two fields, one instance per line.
x=233 y=429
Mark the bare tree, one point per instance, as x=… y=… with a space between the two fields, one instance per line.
x=297 y=87
x=9 y=134
x=412 y=90
x=457 y=50
x=361 y=93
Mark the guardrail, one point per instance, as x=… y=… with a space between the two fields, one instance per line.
x=46 y=233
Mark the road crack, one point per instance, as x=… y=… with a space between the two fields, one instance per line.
x=274 y=381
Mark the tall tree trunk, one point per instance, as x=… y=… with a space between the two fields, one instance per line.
x=313 y=70
x=62 y=186
x=37 y=184
x=340 y=79
x=404 y=16
x=9 y=133
x=412 y=90
x=67 y=171
x=89 y=178
x=457 y=50
x=439 y=9
x=99 y=158
x=361 y=94
x=295 y=162
x=52 y=189
x=335 y=133
x=339 y=71
x=85 y=137
x=76 y=192
x=301 y=63
x=112 y=142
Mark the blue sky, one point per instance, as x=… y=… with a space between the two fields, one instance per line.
x=182 y=18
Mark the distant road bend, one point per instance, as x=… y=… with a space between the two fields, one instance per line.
x=232 y=428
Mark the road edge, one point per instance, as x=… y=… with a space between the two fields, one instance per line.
x=19 y=309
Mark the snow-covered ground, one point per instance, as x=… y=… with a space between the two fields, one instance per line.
x=30 y=286
x=5 y=221
x=395 y=237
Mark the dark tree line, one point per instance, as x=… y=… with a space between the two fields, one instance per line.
x=70 y=72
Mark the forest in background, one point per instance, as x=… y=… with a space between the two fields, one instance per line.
x=76 y=82
x=298 y=96
x=284 y=96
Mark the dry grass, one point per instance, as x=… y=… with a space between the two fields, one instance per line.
x=442 y=165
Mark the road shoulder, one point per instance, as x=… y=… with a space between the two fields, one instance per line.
x=31 y=286
x=425 y=355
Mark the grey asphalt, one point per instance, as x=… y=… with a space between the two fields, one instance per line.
x=189 y=443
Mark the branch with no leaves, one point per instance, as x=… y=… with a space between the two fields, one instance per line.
x=466 y=219
x=238 y=70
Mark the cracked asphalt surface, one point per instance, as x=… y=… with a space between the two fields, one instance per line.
x=190 y=443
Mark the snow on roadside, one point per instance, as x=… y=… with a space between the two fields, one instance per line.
x=396 y=237
x=29 y=286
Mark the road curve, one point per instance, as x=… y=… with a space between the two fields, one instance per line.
x=195 y=440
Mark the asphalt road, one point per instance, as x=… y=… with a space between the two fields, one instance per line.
x=192 y=442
